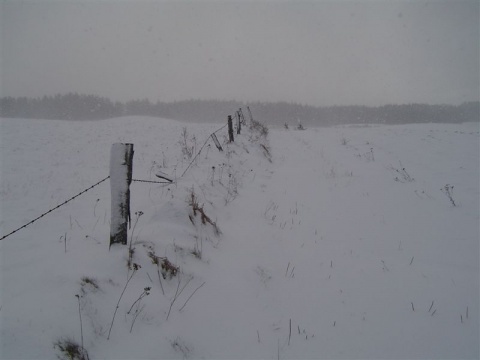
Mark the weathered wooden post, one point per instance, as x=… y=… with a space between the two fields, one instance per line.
x=121 y=158
x=230 y=128
x=239 y=123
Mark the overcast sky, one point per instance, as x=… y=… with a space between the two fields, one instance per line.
x=312 y=52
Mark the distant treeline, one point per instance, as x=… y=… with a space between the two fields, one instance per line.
x=91 y=107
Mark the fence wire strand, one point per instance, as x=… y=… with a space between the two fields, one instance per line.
x=199 y=151
x=153 y=182
x=101 y=181
x=55 y=208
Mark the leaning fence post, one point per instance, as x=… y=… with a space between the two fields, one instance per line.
x=230 y=128
x=121 y=158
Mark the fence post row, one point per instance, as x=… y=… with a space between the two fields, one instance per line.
x=121 y=171
x=121 y=159
x=230 y=128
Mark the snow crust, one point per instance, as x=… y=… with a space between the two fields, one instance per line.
x=327 y=248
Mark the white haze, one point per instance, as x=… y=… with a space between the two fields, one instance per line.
x=315 y=52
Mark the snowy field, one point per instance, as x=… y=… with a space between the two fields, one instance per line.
x=333 y=243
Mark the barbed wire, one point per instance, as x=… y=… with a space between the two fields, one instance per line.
x=101 y=181
x=199 y=151
x=154 y=182
x=72 y=198
x=55 y=208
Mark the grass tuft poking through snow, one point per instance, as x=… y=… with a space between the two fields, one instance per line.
x=70 y=350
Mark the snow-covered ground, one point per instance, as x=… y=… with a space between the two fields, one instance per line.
x=340 y=242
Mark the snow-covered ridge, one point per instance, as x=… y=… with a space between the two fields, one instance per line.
x=334 y=242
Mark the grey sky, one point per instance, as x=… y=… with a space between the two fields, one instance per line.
x=314 y=52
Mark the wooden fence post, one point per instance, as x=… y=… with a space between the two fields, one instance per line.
x=239 y=123
x=121 y=159
x=230 y=128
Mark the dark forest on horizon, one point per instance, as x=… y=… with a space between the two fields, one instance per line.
x=73 y=106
